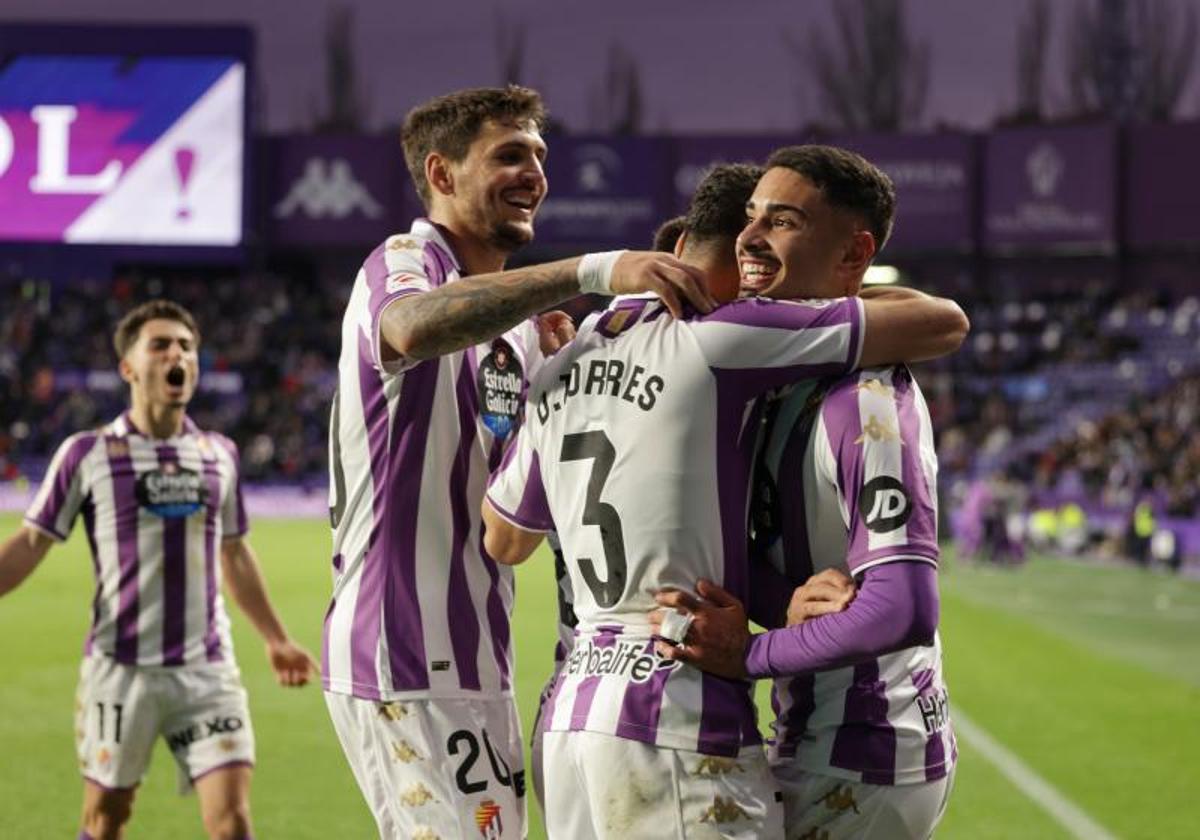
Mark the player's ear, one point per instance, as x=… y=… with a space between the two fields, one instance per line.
x=438 y=174
x=857 y=257
x=126 y=370
x=679 y=243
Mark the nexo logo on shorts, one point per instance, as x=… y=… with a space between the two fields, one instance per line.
x=884 y=504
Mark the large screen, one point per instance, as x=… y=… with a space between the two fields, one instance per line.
x=122 y=149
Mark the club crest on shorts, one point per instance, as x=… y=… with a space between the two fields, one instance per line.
x=487 y=818
x=499 y=381
x=171 y=491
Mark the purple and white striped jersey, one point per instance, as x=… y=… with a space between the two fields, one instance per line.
x=419 y=609
x=856 y=484
x=155 y=512
x=637 y=449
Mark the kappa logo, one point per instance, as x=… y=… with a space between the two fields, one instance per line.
x=404 y=752
x=884 y=504
x=876 y=386
x=840 y=799
x=393 y=710
x=712 y=765
x=327 y=189
x=487 y=819
x=723 y=811
x=880 y=431
x=416 y=795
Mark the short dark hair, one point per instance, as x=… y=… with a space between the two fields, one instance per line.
x=668 y=234
x=718 y=207
x=848 y=181
x=126 y=334
x=449 y=124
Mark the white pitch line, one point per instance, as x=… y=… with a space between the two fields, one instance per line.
x=1065 y=812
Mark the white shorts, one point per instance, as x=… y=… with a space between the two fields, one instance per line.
x=832 y=809
x=120 y=710
x=436 y=769
x=601 y=786
x=536 y=741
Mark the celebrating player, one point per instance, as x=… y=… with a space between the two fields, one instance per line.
x=161 y=501
x=436 y=348
x=637 y=449
x=847 y=481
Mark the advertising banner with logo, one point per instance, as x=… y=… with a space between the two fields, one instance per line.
x=335 y=190
x=935 y=183
x=1050 y=188
x=1162 y=186
x=122 y=149
x=694 y=155
x=605 y=192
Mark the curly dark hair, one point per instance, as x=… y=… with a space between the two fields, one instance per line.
x=126 y=334
x=449 y=124
x=848 y=181
x=718 y=207
x=668 y=234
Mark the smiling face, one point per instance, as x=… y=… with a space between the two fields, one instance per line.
x=796 y=245
x=162 y=365
x=495 y=191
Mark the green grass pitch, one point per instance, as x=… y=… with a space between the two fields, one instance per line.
x=1090 y=675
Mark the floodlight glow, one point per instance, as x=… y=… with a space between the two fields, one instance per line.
x=881 y=275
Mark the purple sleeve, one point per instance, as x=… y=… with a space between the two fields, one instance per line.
x=896 y=607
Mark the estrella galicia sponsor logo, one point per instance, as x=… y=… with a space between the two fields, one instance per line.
x=884 y=504
x=500 y=379
x=636 y=660
x=172 y=491
x=183 y=738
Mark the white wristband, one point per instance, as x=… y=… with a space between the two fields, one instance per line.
x=595 y=272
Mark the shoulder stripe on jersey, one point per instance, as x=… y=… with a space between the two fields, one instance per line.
x=45 y=518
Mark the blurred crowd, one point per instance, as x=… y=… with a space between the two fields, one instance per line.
x=268 y=360
x=1085 y=397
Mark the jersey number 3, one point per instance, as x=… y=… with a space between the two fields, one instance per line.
x=596 y=446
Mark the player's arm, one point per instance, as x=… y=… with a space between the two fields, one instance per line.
x=504 y=541
x=904 y=325
x=20 y=555
x=896 y=606
x=293 y=665
x=480 y=307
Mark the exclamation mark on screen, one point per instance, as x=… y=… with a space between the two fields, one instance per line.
x=185 y=157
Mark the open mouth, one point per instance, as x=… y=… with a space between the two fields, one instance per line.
x=524 y=200
x=757 y=274
x=176 y=377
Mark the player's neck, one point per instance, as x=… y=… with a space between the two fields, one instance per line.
x=157 y=421
x=473 y=254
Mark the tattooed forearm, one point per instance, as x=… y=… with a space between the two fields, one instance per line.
x=474 y=309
